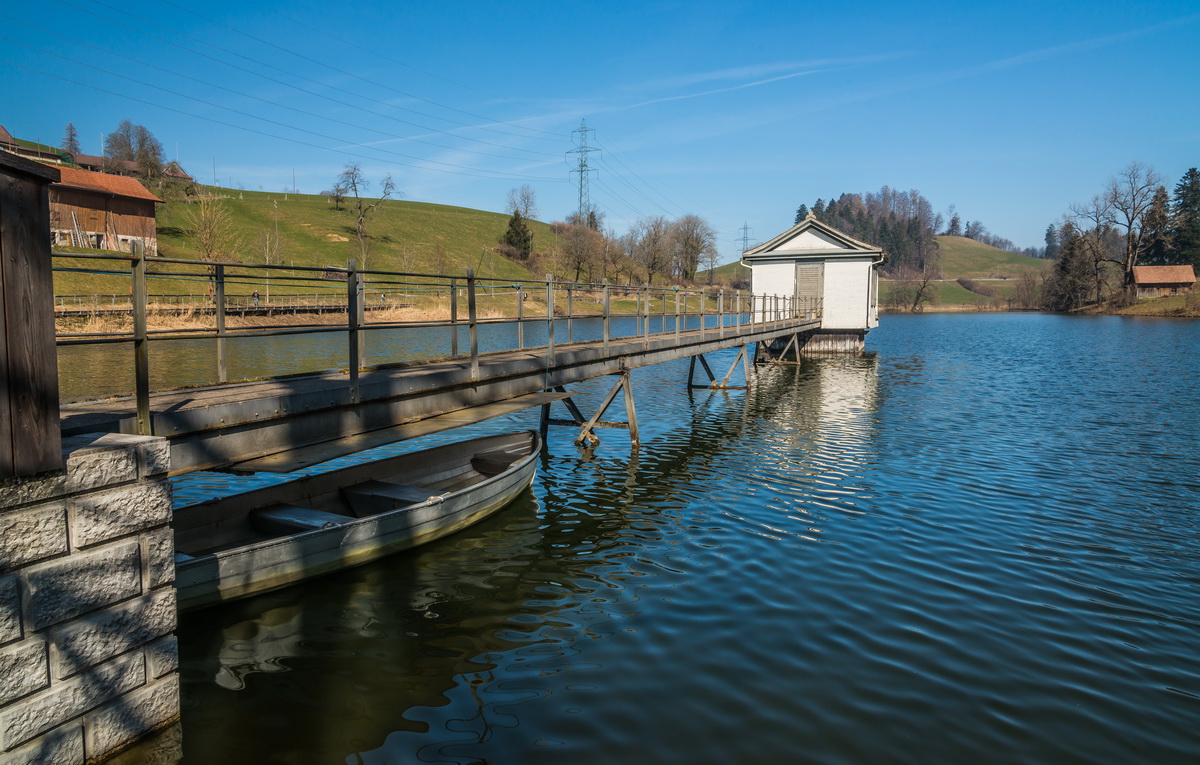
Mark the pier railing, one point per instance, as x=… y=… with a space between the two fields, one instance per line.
x=153 y=300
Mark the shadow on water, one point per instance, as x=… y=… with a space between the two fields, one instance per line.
x=347 y=663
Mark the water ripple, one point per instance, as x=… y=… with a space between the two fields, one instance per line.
x=977 y=543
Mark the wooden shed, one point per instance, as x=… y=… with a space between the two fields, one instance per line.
x=107 y=212
x=816 y=266
x=1161 y=281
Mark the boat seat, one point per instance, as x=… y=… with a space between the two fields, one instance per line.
x=287 y=519
x=492 y=463
x=374 y=497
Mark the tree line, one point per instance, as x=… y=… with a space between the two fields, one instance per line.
x=1132 y=221
x=902 y=223
x=654 y=248
x=133 y=150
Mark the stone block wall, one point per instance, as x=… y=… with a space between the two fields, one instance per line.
x=88 y=658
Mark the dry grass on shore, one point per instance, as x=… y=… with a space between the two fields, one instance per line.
x=177 y=321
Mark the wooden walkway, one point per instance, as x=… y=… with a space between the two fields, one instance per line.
x=282 y=424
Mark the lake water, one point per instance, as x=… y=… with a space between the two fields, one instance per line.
x=980 y=542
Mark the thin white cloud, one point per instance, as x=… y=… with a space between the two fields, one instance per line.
x=753 y=71
x=717 y=90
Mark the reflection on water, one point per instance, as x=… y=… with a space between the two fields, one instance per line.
x=975 y=544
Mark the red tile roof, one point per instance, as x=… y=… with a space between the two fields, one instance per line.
x=117 y=185
x=1145 y=275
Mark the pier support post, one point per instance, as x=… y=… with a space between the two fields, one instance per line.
x=741 y=358
x=587 y=435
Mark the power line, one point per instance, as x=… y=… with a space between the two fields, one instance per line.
x=239 y=112
x=259 y=98
x=498 y=176
x=290 y=74
x=610 y=154
x=351 y=43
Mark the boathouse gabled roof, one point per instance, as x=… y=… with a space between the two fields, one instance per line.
x=1146 y=276
x=811 y=237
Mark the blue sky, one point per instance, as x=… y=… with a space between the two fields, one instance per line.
x=736 y=112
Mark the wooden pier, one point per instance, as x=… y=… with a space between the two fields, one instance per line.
x=283 y=424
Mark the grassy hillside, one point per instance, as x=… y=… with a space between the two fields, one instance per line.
x=947 y=293
x=405 y=236
x=966 y=257
x=728 y=273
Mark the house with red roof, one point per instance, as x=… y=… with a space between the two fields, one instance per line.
x=1160 y=281
x=107 y=212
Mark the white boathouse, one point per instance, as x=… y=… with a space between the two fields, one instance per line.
x=815 y=267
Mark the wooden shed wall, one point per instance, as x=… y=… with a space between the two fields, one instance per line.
x=103 y=214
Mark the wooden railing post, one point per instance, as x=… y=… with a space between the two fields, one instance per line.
x=646 y=315
x=472 y=321
x=352 y=352
x=549 y=325
x=702 y=317
x=607 y=316
x=141 y=346
x=676 y=315
x=570 y=313
x=222 y=356
x=721 y=313
x=520 y=316
x=454 y=317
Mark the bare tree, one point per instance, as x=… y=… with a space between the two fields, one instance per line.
x=582 y=248
x=1027 y=292
x=336 y=195
x=649 y=245
x=353 y=180
x=522 y=199
x=1130 y=195
x=269 y=246
x=133 y=143
x=1096 y=243
x=710 y=259
x=912 y=289
x=691 y=239
x=212 y=233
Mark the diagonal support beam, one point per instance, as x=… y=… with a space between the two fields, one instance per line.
x=723 y=385
x=587 y=435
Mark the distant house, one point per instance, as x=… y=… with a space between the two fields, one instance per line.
x=107 y=165
x=174 y=170
x=35 y=151
x=1161 y=281
x=106 y=212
